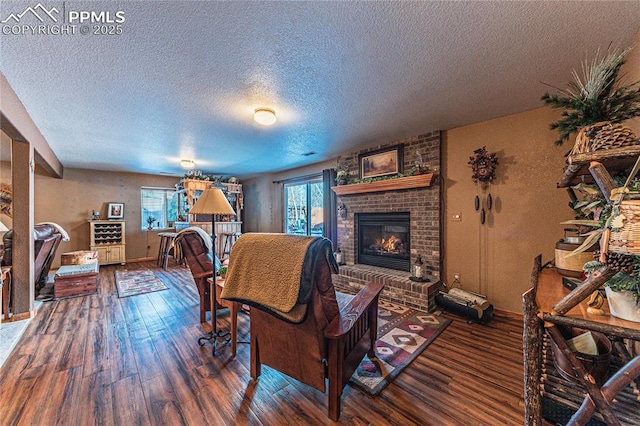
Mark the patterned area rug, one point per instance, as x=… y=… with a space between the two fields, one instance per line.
x=137 y=281
x=403 y=333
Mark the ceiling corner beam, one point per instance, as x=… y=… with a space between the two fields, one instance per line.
x=16 y=122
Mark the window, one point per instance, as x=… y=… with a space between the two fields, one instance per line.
x=303 y=202
x=159 y=207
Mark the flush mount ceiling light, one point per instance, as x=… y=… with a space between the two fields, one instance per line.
x=187 y=164
x=265 y=116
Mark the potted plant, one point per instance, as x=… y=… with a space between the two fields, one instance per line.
x=342 y=176
x=223 y=271
x=150 y=220
x=597 y=99
x=623 y=289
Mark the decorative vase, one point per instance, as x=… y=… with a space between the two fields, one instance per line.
x=150 y=227
x=622 y=304
x=342 y=181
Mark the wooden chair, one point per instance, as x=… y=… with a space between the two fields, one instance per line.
x=330 y=343
x=195 y=253
x=47 y=238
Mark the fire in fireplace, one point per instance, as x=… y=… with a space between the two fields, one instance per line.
x=384 y=240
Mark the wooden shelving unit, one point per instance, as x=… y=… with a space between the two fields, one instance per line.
x=548 y=305
x=577 y=168
x=191 y=189
x=418 y=181
x=108 y=239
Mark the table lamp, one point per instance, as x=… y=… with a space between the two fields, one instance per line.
x=213 y=202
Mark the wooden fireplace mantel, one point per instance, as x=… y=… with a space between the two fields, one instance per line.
x=418 y=181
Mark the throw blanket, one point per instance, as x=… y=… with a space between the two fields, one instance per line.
x=275 y=272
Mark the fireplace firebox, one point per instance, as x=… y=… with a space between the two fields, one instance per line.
x=384 y=240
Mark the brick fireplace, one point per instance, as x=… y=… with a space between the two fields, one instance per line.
x=383 y=239
x=421 y=205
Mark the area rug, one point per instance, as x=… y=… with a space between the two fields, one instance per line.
x=403 y=333
x=137 y=281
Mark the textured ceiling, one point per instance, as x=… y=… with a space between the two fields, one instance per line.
x=184 y=77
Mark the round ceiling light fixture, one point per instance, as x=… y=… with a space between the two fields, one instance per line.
x=187 y=164
x=265 y=116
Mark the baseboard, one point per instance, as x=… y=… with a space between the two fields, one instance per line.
x=141 y=259
x=508 y=314
x=23 y=316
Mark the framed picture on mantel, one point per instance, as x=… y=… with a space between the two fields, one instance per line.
x=382 y=162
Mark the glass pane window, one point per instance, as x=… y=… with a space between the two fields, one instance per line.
x=317 y=214
x=304 y=208
x=159 y=208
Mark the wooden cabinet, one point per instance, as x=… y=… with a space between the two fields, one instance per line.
x=191 y=189
x=108 y=240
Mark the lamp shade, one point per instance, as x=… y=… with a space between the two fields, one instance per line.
x=212 y=201
x=3 y=228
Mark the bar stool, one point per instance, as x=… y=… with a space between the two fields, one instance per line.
x=230 y=239
x=165 y=249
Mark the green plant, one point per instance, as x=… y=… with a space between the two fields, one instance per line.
x=417 y=169
x=223 y=271
x=595 y=96
x=342 y=174
x=151 y=219
x=624 y=280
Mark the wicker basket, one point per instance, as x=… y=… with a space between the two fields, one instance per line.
x=603 y=135
x=626 y=240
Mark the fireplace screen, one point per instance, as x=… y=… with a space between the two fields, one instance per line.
x=383 y=240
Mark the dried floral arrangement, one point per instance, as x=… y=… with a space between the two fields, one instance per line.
x=595 y=96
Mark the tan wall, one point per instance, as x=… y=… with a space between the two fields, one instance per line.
x=5 y=170
x=496 y=258
x=263 y=198
x=631 y=72
x=69 y=203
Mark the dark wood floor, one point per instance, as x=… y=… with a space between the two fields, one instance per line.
x=104 y=360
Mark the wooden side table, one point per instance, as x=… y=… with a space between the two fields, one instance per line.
x=4 y=296
x=233 y=307
x=540 y=317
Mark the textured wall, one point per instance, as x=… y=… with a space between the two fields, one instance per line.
x=496 y=258
x=263 y=209
x=631 y=72
x=69 y=202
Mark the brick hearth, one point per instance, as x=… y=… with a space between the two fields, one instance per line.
x=423 y=205
x=398 y=288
